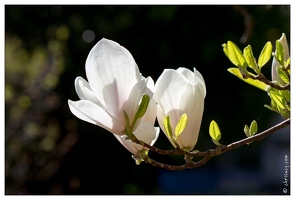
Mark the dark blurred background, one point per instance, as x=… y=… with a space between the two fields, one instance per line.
x=50 y=151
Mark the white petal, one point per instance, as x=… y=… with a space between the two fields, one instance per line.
x=139 y=89
x=112 y=73
x=128 y=144
x=284 y=42
x=94 y=114
x=157 y=129
x=160 y=117
x=84 y=91
x=151 y=112
x=194 y=78
x=187 y=73
x=146 y=132
x=168 y=91
x=202 y=85
x=274 y=74
x=150 y=84
x=192 y=103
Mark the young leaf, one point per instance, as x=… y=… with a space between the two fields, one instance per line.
x=256 y=83
x=286 y=94
x=253 y=128
x=246 y=131
x=142 y=108
x=167 y=126
x=265 y=54
x=283 y=75
x=279 y=53
x=180 y=125
x=278 y=99
x=225 y=49
x=126 y=118
x=235 y=55
x=249 y=57
x=214 y=131
x=287 y=63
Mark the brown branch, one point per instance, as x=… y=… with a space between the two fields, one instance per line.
x=262 y=78
x=256 y=137
x=188 y=165
x=209 y=153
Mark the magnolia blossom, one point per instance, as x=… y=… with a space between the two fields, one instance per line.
x=177 y=92
x=114 y=85
x=274 y=74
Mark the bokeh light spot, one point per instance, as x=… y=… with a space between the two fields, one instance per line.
x=24 y=101
x=88 y=36
x=62 y=33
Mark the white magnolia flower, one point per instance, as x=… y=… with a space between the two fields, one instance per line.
x=274 y=74
x=114 y=85
x=177 y=92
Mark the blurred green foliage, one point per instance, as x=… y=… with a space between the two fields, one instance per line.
x=50 y=151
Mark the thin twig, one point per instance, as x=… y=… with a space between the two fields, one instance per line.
x=262 y=78
x=209 y=153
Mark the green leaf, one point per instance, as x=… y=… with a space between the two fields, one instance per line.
x=126 y=122
x=265 y=54
x=286 y=94
x=126 y=118
x=246 y=131
x=142 y=108
x=180 y=125
x=279 y=103
x=253 y=128
x=167 y=127
x=235 y=55
x=279 y=54
x=225 y=49
x=283 y=75
x=287 y=63
x=256 y=83
x=250 y=59
x=214 y=131
x=278 y=99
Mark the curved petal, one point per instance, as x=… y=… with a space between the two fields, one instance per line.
x=202 y=85
x=194 y=78
x=192 y=103
x=274 y=74
x=150 y=84
x=160 y=117
x=128 y=144
x=169 y=89
x=157 y=129
x=151 y=112
x=84 y=91
x=146 y=132
x=112 y=73
x=94 y=114
x=139 y=89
